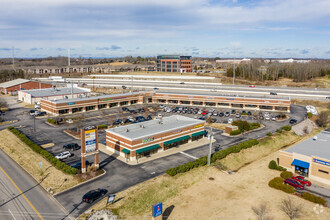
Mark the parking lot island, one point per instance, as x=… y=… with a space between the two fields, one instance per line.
x=143 y=139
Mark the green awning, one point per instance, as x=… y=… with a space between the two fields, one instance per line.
x=147 y=148
x=198 y=133
x=126 y=151
x=177 y=140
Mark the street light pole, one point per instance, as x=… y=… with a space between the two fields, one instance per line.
x=210 y=149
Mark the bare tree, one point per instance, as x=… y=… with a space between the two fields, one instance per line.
x=262 y=212
x=291 y=209
x=322 y=119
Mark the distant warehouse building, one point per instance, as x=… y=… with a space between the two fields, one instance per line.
x=35 y=95
x=13 y=86
x=310 y=158
x=173 y=63
x=143 y=139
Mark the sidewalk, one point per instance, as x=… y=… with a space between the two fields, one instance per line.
x=168 y=152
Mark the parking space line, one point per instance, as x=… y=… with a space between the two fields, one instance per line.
x=188 y=155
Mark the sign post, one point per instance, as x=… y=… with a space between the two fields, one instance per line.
x=157 y=211
x=89 y=146
x=111 y=199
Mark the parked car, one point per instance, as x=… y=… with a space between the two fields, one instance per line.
x=214 y=120
x=132 y=111
x=36 y=106
x=293 y=121
x=252 y=86
x=302 y=180
x=149 y=118
x=71 y=147
x=93 y=195
x=230 y=120
x=261 y=117
x=215 y=113
x=273 y=93
x=249 y=113
x=63 y=155
x=32 y=112
x=125 y=109
x=156 y=89
x=238 y=115
x=274 y=117
x=200 y=112
x=70 y=121
x=227 y=114
x=161 y=106
x=78 y=165
x=267 y=117
x=117 y=122
x=204 y=112
x=294 y=183
x=233 y=111
x=221 y=114
x=19 y=101
x=181 y=82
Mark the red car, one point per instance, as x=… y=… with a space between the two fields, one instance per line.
x=252 y=86
x=205 y=112
x=294 y=183
x=302 y=180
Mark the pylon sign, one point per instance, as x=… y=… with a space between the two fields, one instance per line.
x=89 y=145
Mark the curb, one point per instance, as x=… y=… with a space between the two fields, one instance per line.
x=51 y=196
x=71 y=135
x=55 y=126
x=56 y=194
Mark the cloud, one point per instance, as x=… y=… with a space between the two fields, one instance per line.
x=60 y=49
x=195 y=53
x=113 y=47
x=35 y=49
x=137 y=48
x=304 y=51
x=5 y=49
x=328 y=52
x=195 y=49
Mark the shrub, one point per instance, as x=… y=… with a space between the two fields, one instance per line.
x=102 y=126
x=277 y=183
x=235 y=132
x=286 y=128
x=272 y=165
x=52 y=121
x=286 y=174
x=202 y=161
x=48 y=156
x=281 y=168
x=309 y=114
x=279 y=130
x=269 y=134
x=313 y=198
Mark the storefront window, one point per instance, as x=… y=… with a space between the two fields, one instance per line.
x=146 y=153
x=166 y=147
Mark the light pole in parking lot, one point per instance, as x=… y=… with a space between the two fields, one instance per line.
x=210 y=149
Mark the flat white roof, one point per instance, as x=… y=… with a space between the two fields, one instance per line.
x=13 y=83
x=55 y=91
x=319 y=147
x=153 y=127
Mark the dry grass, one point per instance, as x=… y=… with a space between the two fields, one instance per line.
x=266 y=146
x=195 y=196
x=49 y=176
x=217 y=125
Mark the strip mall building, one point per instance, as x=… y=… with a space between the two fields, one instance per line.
x=310 y=158
x=143 y=139
x=68 y=106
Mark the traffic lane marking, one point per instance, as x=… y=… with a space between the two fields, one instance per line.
x=191 y=156
x=20 y=191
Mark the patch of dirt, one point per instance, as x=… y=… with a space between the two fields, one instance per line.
x=304 y=127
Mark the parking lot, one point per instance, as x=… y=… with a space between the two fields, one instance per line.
x=119 y=175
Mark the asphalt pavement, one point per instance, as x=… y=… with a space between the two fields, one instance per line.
x=120 y=176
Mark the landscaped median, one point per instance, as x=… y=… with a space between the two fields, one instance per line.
x=52 y=174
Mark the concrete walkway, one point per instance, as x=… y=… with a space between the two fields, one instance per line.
x=174 y=150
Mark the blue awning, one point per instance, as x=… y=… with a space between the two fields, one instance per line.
x=300 y=163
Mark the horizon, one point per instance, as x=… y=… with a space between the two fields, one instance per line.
x=198 y=28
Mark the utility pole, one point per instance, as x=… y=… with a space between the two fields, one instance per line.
x=69 y=57
x=13 y=53
x=210 y=149
x=72 y=90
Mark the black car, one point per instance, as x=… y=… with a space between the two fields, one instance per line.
x=214 y=120
x=233 y=111
x=93 y=195
x=149 y=118
x=293 y=121
x=249 y=113
x=117 y=122
x=125 y=109
x=78 y=165
x=221 y=114
x=273 y=93
x=127 y=121
x=71 y=147
x=132 y=111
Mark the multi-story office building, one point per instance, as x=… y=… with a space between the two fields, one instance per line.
x=173 y=63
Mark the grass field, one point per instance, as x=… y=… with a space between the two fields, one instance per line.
x=217 y=125
x=193 y=195
x=49 y=176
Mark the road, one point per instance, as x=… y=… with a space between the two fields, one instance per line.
x=21 y=197
x=217 y=88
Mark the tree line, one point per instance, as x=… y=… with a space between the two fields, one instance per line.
x=7 y=75
x=298 y=72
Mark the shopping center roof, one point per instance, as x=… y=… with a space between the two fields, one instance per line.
x=154 y=127
x=14 y=82
x=319 y=146
x=55 y=91
x=94 y=97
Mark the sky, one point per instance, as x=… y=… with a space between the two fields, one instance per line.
x=199 y=28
